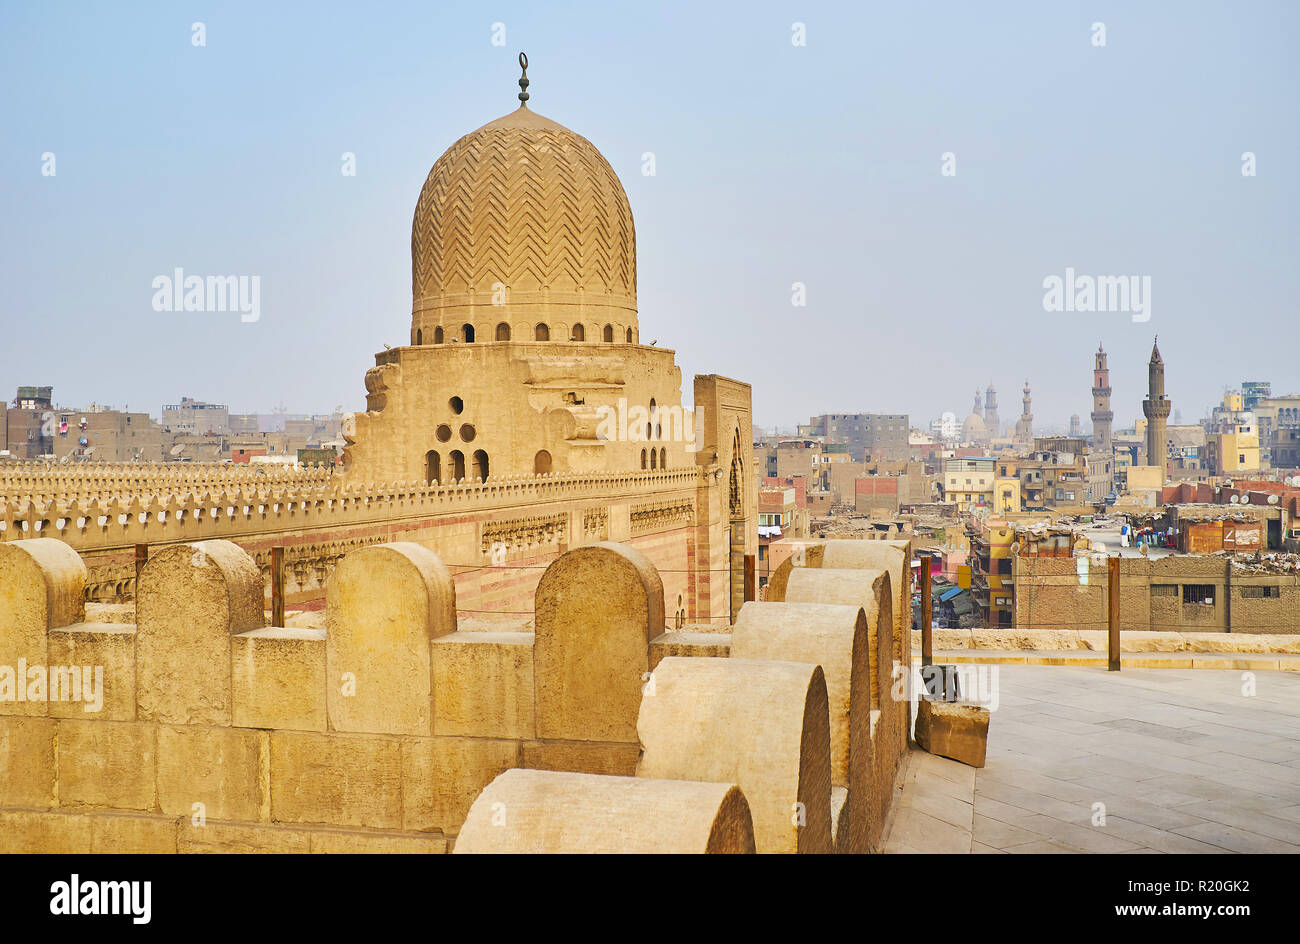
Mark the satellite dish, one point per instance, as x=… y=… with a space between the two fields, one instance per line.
x=1234 y=499
x=1272 y=499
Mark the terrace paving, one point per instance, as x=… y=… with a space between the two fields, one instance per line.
x=1180 y=760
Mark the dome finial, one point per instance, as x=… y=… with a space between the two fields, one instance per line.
x=523 y=80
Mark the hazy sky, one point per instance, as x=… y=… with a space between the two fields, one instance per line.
x=775 y=164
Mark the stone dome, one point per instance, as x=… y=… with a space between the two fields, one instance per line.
x=973 y=429
x=527 y=204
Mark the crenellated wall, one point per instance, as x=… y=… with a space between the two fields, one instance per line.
x=214 y=732
x=497 y=537
x=43 y=481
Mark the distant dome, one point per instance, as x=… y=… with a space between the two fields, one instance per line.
x=527 y=203
x=973 y=429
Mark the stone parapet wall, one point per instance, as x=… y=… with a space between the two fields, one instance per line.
x=497 y=536
x=154 y=518
x=43 y=481
x=215 y=732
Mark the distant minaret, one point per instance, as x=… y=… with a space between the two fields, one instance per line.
x=1075 y=429
x=977 y=409
x=1156 y=408
x=991 y=412
x=1102 y=417
x=1025 y=427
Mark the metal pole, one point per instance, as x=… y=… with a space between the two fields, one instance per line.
x=1112 y=599
x=927 y=612
x=277 y=585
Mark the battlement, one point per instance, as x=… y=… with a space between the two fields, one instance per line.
x=43 y=481
x=280 y=504
x=202 y=729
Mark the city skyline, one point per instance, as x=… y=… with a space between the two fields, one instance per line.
x=1063 y=163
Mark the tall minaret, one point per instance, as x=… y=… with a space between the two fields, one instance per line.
x=991 y=412
x=977 y=409
x=1102 y=417
x=1025 y=427
x=1156 y=407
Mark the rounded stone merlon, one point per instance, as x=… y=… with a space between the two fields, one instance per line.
x=809 y=555
x=542 y=811
x=868 y=588
x=52 y=563
x=597 y=608
x=383 y=566
x=861 y=555
x=763 y=725
x=830 y=635
x=168 y=585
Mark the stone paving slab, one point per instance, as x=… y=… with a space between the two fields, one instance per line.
x=1141 y=761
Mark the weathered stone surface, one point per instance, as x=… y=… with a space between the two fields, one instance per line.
x=355 y=842
x=598 y=607
x=42 y=586
x=762 y=725
x=948 y=639
x=278 y=678
x=193 y=597
x=1133 y=641
x=1242 y=642
x=221 y=768
x=336 y=780
x=810 y=555
x=24 y=831
x=834 y=637
x=27 y=771
x=1009 y=639
x=841 y=827
x=119 y=833
x=957 y=731
x=442 y=775
x=942 y=640
x=533 y=811
x=384 y=605
x=894 y=557
x=107 y=764
x=109 y=647
x=870 y=589
x=241 y=838
x=110 y=613
x=614 y=758
x=688 y=644
x=483 y=685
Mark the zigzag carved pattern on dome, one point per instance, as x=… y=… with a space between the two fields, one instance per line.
x=526 y=207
